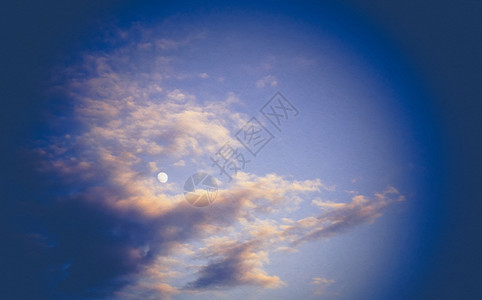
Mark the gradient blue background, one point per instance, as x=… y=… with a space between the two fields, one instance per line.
x=435 y=48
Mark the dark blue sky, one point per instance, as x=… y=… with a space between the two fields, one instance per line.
x=435 y=47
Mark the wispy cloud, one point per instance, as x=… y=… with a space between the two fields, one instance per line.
x=268 y=80
x=339 y=217
x=321 y=286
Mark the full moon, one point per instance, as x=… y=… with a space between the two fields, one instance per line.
x=162 y=177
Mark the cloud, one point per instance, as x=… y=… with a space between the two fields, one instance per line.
x=339 y=217
x=153 y=285
x=321 y=285
x=114 y=215
x=234 y=264
x=286 y=249
x=268 y=80
x=180 y=163
x=122 y=218
x=269 y=193
x=104 y=216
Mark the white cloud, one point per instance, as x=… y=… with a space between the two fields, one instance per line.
x=268 y=80
x=321 y=286
x=179 y=163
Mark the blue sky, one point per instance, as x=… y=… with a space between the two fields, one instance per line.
x=166 y=96
x=331 y=208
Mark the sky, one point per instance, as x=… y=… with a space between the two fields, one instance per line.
x=344 y=196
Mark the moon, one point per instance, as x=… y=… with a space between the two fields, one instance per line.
x=162 y=177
